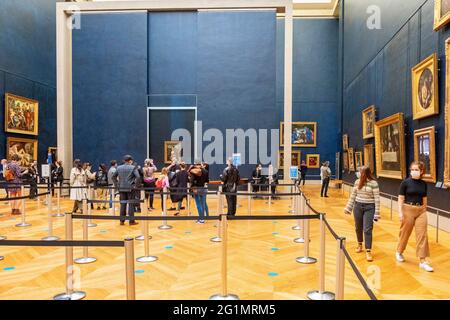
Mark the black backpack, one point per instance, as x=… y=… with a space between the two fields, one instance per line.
x=101 y=179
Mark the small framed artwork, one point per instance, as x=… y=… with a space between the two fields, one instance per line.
x=447 y=116
x=425 y=97
x=295 y=158
x=441 y=13
x=26 y=149
x=172 y=149
x=351 y=159
x=368 y=122
x=345 y=142
x=21 y=115
x=368 y=157
x=313 y=161
x=303 y=134
x=54 y=152
x=425 y=151
x=358 y=159
x=345 y=160
x=390 y=147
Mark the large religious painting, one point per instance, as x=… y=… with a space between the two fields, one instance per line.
x=390 y=147
x=368 y=122
x=441 y=13
x=172 y=149
x=313 y=161
x=26 y=149
x=368 y=157
x=447 y=116
x=351 y=159
x=303 y=134
x=21 y=115
x=425 y=151
x=425 y=97
x=295 y=158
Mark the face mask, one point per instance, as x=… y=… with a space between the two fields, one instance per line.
x=415 y=174
x=358 y=175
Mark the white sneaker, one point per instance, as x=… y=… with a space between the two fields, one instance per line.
x=426 y=266
x=399 y=257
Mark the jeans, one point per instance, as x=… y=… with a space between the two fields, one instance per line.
x=124 y=196
x=200 y=202
x=150 y=193
x=231 y=204
x=324 y=190
x=302 y=178
x=364 y=214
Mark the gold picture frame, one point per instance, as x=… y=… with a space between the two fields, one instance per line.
x=21 y=115
x=390 y=147
x=345 y=160
x=169 y=147
x=447 y=116
x=26 y=149
x=425 y=88
x=358 y=160
x=368 y=122
x=313 y=161
x=369 y=157
x=425 y=151
x=351 y=159
x=54 y=152
x=345 y=142
x=441 y=13
x=305 y=134
x=296 y=158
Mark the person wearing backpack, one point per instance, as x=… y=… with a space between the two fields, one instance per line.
x=101 y=183
x=199 y=179
x=163 y=182
x=230 y=178
x=149 y=181
x=182 y=178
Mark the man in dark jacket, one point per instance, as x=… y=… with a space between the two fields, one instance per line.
x=124 y=179
x=230 y=178
x=199 y=180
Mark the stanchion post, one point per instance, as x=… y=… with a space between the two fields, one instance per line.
x=69 y=294
x=300 y=210
x=306 y=259
x=146 y=257
x=50 y=236
x=292 y=206
x=340 y=269
x=295 y=205
x=437 y=225
x=249 y=198
x=129 y=269
x=85 y=259
x=165 y=226
x=188 y=199
x=391 y=207
x=90 y=197
x=144 y=210
x=218 y=238
x=24 y=222
x=224 y=295
x=321 y=294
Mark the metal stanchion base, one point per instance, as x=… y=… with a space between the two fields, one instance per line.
x=85 y=260
x=50 y=238
x=1 y=258
x=317 y=295
x=92 y=225
x=58 y=215
x=216 y=239
x=291 y=211
x=306 y=260
x=142 y=237
x=227 y=297
x=297 y=227
x=147 y=259
x=23 y=224
x=76 y=295
x=2 y=238
x=165 y=227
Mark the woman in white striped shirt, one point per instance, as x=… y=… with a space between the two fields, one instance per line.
x=365 y=203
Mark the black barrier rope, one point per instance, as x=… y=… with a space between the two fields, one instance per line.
x=61 y=243
x=157 y=218
x=333 y=233
x=290 y=217
x=23 y=197
x=117 y=201
x=359 y=275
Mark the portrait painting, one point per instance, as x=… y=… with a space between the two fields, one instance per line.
x=390 y=147
x=21 y=115
x=425 y=97
x=351 y=159
x=172 y=149
x=441 y=13
x=447 y=116
x=295 y=159
x=358 y=159
x=368 y=157
x=303 y=134
x=425 y=151
x=54 y=152
x=368 y=122
x=313 y=161
x=26 y=149
x=345 y=160
x=345 y=142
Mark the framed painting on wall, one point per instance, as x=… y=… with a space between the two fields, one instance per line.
x=345 y=142
x=390 y=147
x=425 y=93
x=304 y=134
x=368 y=157
x=54 y=153
x=447 y=116
x=26 y=149
x=368 y=122
x=313 y=161
x=425 y=151
x=295 y=158
x=351 y=159
x=345 y=160
x=358 y=160
x=172 y=149
x=21 y=115
x=441 y=13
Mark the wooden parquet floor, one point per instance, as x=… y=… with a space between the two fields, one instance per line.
x=261 y=258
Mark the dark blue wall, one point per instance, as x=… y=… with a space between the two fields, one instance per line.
x=377 y=70
x=27 y=64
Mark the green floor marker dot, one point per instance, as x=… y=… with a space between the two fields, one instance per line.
x=168 y=247
x=275 y=233
x=275 y=249
x=9 y=268
x=272 y=274
x=139 y=271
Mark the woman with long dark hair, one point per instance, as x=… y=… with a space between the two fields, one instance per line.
x=365 y=203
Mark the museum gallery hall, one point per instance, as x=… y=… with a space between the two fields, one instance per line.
x=253 y=150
